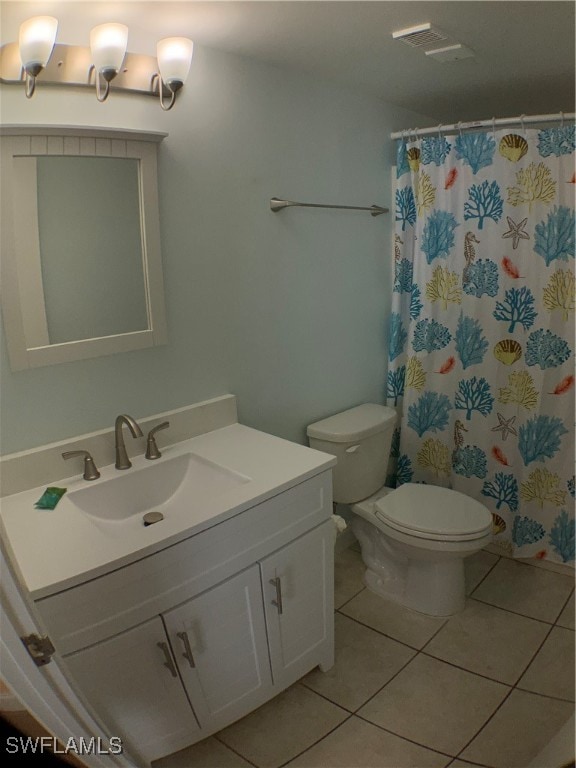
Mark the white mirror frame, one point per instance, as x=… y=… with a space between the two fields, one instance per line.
x=21 y=288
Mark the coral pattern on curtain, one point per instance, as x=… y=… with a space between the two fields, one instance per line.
x=481 y=347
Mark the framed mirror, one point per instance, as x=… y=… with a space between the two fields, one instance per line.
x=81 y=263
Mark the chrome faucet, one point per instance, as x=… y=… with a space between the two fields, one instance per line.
x=122 y=460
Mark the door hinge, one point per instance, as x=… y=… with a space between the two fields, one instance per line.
x=40 y=648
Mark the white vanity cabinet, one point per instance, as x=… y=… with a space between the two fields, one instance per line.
x=299 y=604
x=127 y=682
x=173 y=647
x=219 y=642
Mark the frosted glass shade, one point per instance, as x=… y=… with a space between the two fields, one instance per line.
x=36 y=41
x=174 y=56
x=108 y=45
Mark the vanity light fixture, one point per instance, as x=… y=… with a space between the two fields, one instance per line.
x=108 y=46
x=174 y=56
x=35 y=44
x=104 y=61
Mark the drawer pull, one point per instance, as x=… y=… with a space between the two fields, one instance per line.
x=169 y=663
x=278 y=602
x=187 y=650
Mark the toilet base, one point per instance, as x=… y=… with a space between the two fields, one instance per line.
x=428 y=579
x=435 y=589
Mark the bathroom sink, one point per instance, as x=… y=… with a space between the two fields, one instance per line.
x=170 y=485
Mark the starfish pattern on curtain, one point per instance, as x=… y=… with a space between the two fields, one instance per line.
x=481 y=335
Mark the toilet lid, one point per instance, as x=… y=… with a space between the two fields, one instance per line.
x=430 y=511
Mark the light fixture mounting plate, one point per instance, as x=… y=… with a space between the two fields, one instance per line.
x=71 y=65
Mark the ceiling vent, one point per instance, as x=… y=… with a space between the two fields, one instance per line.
x=420 y=36
x=451 y=53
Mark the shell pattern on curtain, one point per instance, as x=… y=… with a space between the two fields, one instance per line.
x=481 y=343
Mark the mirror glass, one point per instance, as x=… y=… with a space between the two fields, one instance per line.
x=80 y=237
x=90 y=244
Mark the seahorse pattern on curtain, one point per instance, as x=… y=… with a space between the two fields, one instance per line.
x=481 y=343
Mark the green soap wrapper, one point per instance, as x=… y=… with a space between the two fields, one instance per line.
x=50 y=498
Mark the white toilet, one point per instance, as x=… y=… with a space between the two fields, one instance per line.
x=414 y=539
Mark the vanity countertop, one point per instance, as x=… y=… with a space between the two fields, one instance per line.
x=61 y=548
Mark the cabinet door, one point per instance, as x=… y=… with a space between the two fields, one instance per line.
x=133 y=684
x=299 y=604
x=219 y=642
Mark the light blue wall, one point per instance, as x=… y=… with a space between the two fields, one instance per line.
x=287 y=311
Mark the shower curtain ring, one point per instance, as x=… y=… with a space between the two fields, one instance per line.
x=562 y=119
x=416 y=134
x=494 y=127
x=522 y=123
x=440 y=131
x=459 y=126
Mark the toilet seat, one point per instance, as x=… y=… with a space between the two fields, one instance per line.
x=431 y=512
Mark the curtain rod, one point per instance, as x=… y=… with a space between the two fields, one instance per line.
x=493 y=123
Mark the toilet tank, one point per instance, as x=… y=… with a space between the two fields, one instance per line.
x=360 y=438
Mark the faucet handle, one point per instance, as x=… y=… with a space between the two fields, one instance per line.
x=90 y=468
x=152 y=451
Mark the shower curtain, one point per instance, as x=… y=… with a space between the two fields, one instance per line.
x=481 y=341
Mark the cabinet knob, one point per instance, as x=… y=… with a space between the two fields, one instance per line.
x=187 y=649
x=169 y=663
x=278 y=602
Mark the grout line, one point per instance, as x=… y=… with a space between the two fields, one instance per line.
x=410 y=660
x=316 y=742
x=488 y=572
x=472 y=765
x=466 y=669
x=533 y=656
x=362 y=624
x=323 y=696
x=234 y=750
x=405 y=738
x=514 y=613
x=543 y=695
x=485 y=723
x=434 y=635
x=562 y=611
x=349 y=599
x=525 y=615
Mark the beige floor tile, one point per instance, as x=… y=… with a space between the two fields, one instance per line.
x=357 y=744
x=462 y=764
x=348 y=576
x=209 y=753
x=435 y=704
x=365 y=661
x=552 y=671
x=392 y=619
x=518 y=731
x=566 y=618
x=489 y=641
x=476 y=567
x=282 y=728
x=525 y=589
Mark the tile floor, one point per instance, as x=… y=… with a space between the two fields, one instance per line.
x=488 y=687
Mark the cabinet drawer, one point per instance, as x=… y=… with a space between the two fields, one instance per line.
x=110 y=604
